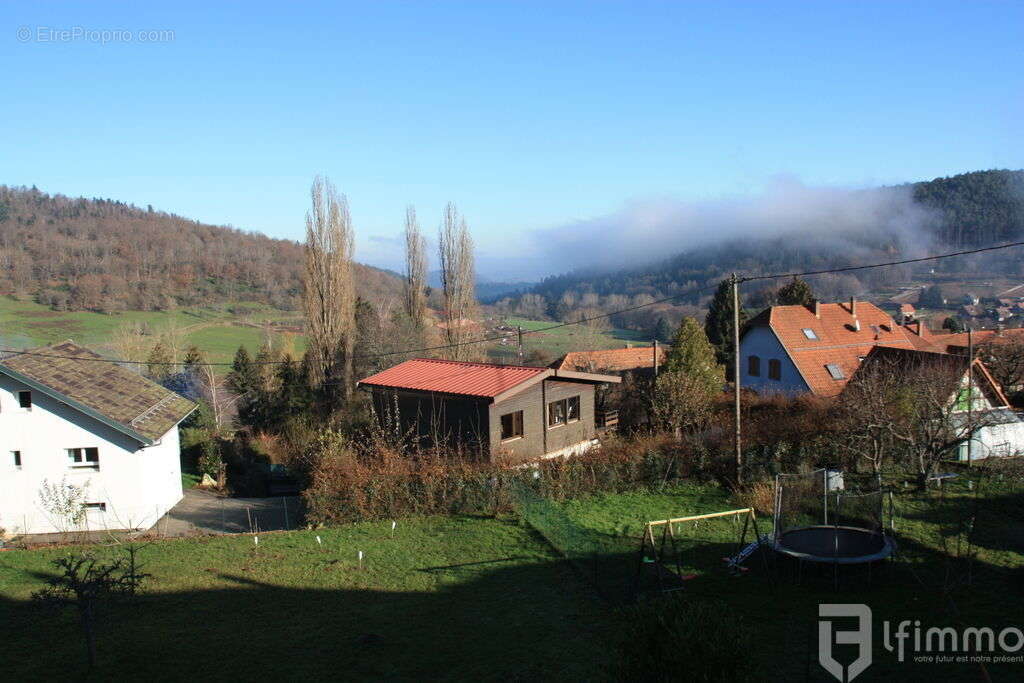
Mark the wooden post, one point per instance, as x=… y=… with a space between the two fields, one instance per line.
x=520 y=331
x=655 y=359
x=736 y=374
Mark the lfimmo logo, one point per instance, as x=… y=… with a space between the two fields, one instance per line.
x=828 y=637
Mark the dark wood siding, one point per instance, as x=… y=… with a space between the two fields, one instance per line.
x=538 y=439
x=426 y=417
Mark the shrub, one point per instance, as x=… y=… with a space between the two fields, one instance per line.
x=677 y=639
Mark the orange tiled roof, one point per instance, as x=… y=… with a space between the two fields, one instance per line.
x=611 y=360
x=837 y=339
x=954 y=343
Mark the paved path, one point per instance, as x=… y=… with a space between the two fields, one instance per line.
x=207 y=512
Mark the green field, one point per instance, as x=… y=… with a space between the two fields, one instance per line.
x=558 y=342
x=475 y=598
x=219 y=333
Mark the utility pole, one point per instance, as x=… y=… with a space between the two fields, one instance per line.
x=520 y=331
x=970 y=394
x=736 y=373
x=655 y=359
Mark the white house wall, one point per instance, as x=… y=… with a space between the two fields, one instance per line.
x=137 y=484
x=760 y=341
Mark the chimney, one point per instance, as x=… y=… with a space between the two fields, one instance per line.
x=856 y=325
x=853 y=306
x=816 y=308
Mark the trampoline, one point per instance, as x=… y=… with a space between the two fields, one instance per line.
x=834 y=545
x=819 y=519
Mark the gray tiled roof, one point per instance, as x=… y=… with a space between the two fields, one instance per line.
x=109 y=392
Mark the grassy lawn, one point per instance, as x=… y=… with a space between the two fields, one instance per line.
x=25 y=324
x=571 y=338
x=472 y=598
x=447 y=598
x=607 y=531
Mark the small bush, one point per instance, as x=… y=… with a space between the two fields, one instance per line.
x=677 y=639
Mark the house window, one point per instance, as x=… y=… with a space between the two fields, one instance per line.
x=25 y=399
x=16 y=458
x=84 y=457
x=754 y=366
x=512 y=425
x=100 y=507
x=835 y=371
x=809 y=333
x=774 y=369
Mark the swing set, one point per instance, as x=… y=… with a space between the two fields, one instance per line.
x=661 y=556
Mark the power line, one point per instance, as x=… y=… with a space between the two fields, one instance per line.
x=441 y=347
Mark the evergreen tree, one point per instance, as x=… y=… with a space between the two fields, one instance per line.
x=693 y=355
x=243 y=377
x=158 y=363
x=718 y=323
x=193 y=359
x=795 y=293
x=953 y=324
x=662 y=330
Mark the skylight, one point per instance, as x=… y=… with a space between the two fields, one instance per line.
x=809 y=333
x=835 y=371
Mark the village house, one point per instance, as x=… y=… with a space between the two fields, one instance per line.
x=632 y=364
x=504 y=413
x=817 y=348
x=999 y=431
x=68 y=417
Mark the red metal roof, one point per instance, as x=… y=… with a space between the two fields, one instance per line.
x=485 y=380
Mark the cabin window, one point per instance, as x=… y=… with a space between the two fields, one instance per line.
x=835 y=371
x=512 y=425
x=809 y=333
x=572 y=409
x=16 y=459
x=754 y=366
x=84 y=457
x=774 y=369
x=25 y=399
x=563 y=411
x=99 y=507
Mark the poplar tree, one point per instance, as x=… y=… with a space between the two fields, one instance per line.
x=796 y=292
x=693 y=355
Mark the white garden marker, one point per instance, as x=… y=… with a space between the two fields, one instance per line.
x=360 y=559
x=319 y=542
x=393 y=525
x=256 y=541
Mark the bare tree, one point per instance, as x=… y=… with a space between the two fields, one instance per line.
x=415 y=270
x=455 y=248
x=84 y=582
x=1003 y=355
x=920 y=406
x=328 y=290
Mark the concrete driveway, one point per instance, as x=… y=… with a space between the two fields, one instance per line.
x=205 y=512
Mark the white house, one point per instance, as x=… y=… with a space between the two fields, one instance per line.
x=69 y=417
x=816 y=348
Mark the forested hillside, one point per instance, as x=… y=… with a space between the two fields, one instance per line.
x=972 y=209
x=104 y=255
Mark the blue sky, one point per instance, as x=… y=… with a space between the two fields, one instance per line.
x=530 y=116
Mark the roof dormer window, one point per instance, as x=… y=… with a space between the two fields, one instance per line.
x=809 y=333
